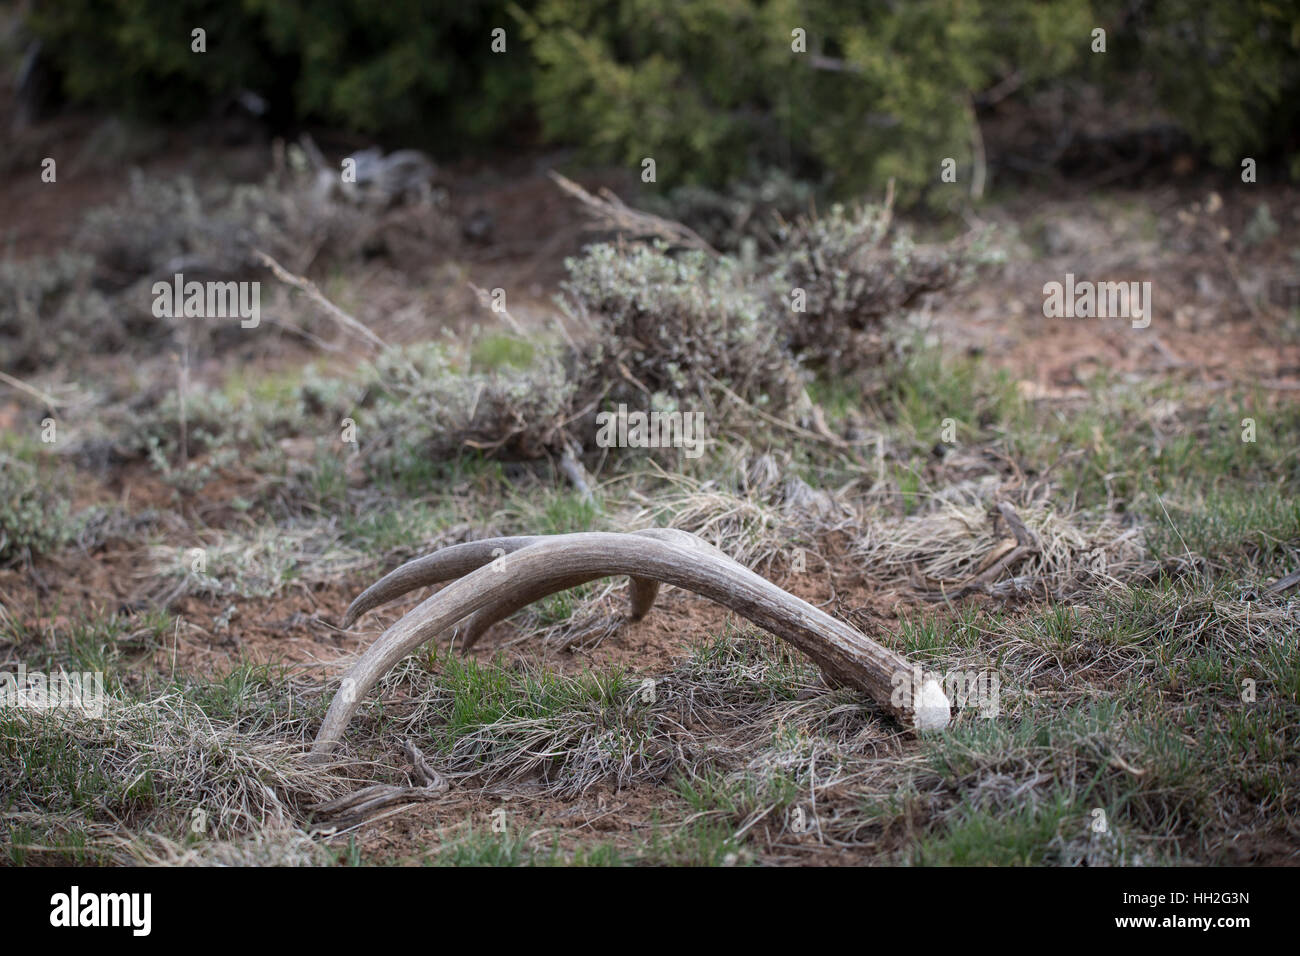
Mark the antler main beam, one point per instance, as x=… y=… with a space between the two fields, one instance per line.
x=502 y=575
x=461 y=559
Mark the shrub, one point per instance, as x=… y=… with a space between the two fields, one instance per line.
x=710 y=88
x=48 y=309
x=163 y=226
x=1229 y=72
x=136 y=54
x=677 y=326
x=416 y=69
x=33 y=517
x=854 y=283
x=415 y=402
x=748 y=209
x=685 y=326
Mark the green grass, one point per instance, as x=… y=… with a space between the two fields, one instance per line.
x=383 y=530
x=918 y=395
x=483 y=694
x=411 y=470
x=1166 y=741
x=279 y=390
x=511 y=848
x=501 y=351
x=702 y=842
x=1129 y=701
x=759 y=665
x=117 y=646
x=21 y=446
x=733 y=798
x=559 y=607
x=488 y=848
x=1021 y=836
x=925 y=636
x=921 y=636
x=250 y=697
x=35 y=517
x=931 y=387
x=70 y=847
x=69 y=781
x=1229 y=526
x=543 y=509
x=1116 y=450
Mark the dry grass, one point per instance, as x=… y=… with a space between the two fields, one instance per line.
x=958 y=536
x=161 y=779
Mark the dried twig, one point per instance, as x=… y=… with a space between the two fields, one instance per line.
x=355 y=807
x=1285 y=584
x=615 y=214
x=308 y=287
x=432 y=779
x=44 y=397
x=485 y=300
x=572 y=469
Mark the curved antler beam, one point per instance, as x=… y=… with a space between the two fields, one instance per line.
x=544 y=565
x=444 y=565
x=460 y=559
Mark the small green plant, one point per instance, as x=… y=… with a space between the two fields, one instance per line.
x=502 y=351
x=685 y=326
x=34 y=518
x=424 y=408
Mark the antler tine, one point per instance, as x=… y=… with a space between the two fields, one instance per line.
x=444 y=565
x=844 y=655
x=460 y=559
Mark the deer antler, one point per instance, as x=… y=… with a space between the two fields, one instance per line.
x=460 y=559
x=501 y=575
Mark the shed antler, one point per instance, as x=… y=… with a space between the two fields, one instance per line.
x=498 y=576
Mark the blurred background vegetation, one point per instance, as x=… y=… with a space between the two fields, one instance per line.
x=710 y=88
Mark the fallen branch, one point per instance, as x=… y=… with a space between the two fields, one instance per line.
x=1003 y=557
x=308 y=287
x=45 y=398
x=432 y=779
x=1285 y=584
x=355 y=807
x=613 y=213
